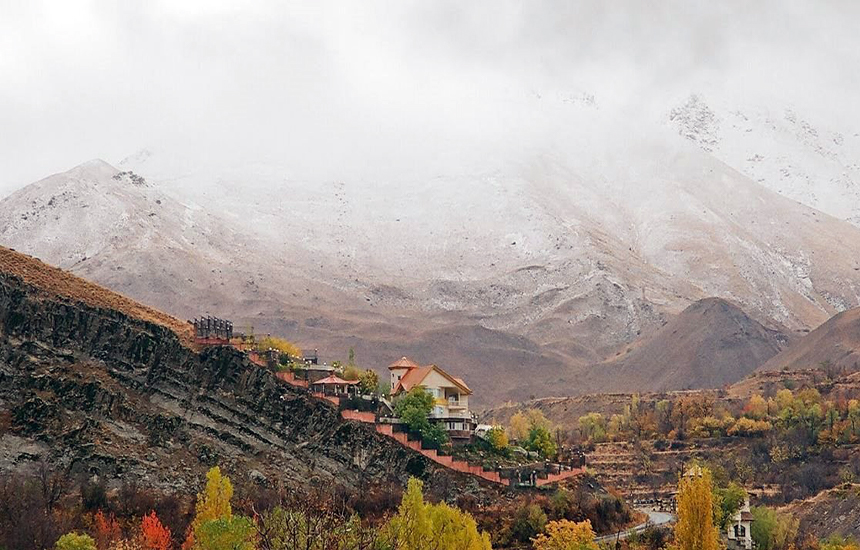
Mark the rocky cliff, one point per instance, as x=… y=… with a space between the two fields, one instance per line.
x=94 y=391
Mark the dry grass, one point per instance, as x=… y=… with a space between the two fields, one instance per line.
x=56 y=281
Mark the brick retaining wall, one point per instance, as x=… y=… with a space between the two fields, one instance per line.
x=366 y=417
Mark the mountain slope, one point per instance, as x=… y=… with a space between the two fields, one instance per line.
x=833 y=512
x=56 y=282
x=836 y=341
x=549 y=262
x=796 y=155
x=95 y=391
x=710 y=344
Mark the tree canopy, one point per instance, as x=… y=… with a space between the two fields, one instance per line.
x=419 y=525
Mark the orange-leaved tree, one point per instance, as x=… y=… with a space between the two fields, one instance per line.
x=154 y=535
x=106 y=529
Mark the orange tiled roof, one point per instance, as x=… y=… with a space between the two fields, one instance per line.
x=415 y=376
x=412 y=378
x=404 y=363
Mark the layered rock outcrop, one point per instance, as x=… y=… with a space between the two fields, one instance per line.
x=97 y=392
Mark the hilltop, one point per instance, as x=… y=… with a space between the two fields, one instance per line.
x=710 y=344
x=836 y=343
x=57 y=282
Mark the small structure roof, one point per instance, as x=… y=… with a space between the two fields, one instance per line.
x=335 y=380
x=404 y=363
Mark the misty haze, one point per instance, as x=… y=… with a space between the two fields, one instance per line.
x=429 y=275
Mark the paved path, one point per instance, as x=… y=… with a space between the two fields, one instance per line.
x=655 y=519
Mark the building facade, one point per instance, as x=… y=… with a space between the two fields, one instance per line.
x=450 y=396
x=738 y=532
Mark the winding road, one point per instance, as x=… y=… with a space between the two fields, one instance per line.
x=655 y=519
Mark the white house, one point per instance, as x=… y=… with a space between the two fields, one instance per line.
x=451 y=394
x=738 y=532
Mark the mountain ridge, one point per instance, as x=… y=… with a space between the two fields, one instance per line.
x=577 y=271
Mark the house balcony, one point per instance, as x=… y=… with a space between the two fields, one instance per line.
x=461 y=414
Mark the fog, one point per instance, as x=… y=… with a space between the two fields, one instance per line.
x=382 y=89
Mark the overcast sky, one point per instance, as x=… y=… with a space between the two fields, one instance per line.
x=337 y=87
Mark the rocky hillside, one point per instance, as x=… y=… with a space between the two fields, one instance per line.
x=831 y=512
x=94 y=390
x=835 y=343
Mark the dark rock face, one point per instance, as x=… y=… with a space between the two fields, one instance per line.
x=93 y=391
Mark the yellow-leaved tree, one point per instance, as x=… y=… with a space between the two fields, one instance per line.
x=212 y=504
x=419 y=525
x=695 y=528
x=566 y=535
x=280 y=344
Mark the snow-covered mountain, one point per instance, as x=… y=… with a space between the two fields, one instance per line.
x=550 y=260
x=800 y=157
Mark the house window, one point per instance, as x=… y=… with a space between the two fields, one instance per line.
x=742 y=531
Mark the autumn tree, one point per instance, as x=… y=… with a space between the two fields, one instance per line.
x=226 y=533
x=854 y=419
x=529 y=521
x=279 y=344
x=212 y=504
x=368 y=381
x=497 y=438
x=351 y=372
x=687 y=408
x=695 y=528
x=537 y=419
x=540 y=440
x=836 y=542
x=106 y=529
x=154 y=535
x=315 y=529
x=533 y=431
x=592 y=427
x=518 y=427
x=756 y=408
x=75 y=541
x=566 y=535
x=419 y=525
